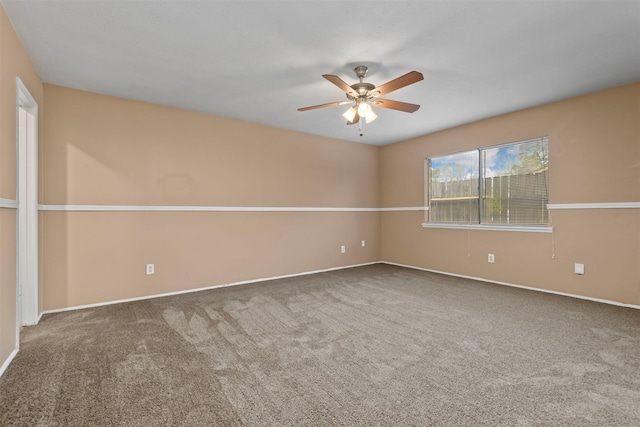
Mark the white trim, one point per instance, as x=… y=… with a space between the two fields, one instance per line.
x=616 y=205
x=7 y=362
x=157 y=208
x=27 y=192
x=150 y=208
x=564 y=294
x=8 y=203
x=225 y=285
x=245 y=282
x=529 y=229
x=410 y=208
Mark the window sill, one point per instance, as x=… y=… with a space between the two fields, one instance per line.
x=521 y=228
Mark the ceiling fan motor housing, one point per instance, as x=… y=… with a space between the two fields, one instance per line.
x=364 y=91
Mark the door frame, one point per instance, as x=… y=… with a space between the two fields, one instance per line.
x=27 y=197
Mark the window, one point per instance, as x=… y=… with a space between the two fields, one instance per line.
x=505 y=185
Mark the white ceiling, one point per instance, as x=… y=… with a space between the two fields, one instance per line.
x=259 y=61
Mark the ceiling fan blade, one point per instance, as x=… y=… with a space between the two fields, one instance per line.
x=341 y=84
x=355 y=120
x=400 y=82
x=396 y=105
x=330 y=104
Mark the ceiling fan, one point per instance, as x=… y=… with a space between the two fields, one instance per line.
x=365 y=95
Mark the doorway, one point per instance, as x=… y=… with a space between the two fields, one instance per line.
x=27 y=192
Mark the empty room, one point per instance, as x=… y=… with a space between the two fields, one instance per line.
x=319 y=213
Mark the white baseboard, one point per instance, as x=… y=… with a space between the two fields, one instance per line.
x=547 y=291
x=305 y=273
x=224 y=285
x=6 y=363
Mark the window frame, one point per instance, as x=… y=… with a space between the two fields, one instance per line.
x=542 y=228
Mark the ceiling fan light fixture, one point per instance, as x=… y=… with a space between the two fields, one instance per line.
x=371 y=116
x=350 y=114
x=364 y=108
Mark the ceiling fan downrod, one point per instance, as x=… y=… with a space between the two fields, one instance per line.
x=363 y=90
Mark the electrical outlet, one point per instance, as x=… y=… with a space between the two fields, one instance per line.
x=491 y=258
x=578 y=268
x=343 y=249
x=151 y=269
x=363 y=243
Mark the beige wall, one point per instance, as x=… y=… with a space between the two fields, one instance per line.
x=102 y=150
x=594 y=152
x=14 y=62
x=107 y=150
x=7 y=282
x=95 y=257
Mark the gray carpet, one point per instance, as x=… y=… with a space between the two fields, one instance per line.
x=371 y=346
